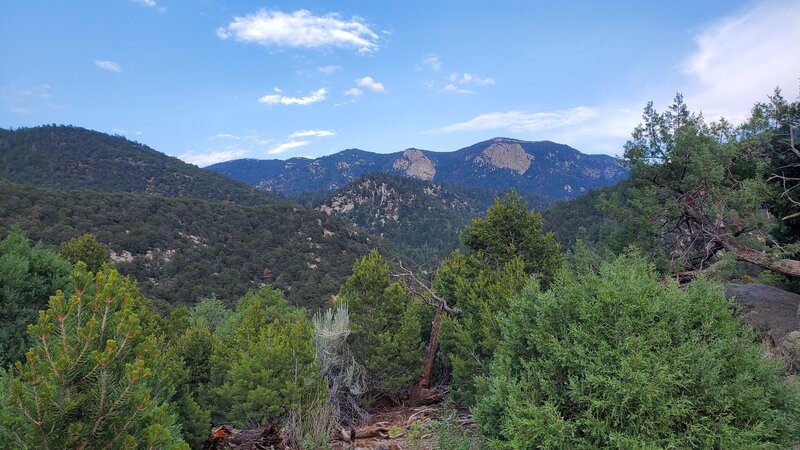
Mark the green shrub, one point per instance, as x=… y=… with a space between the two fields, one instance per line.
x=613 y=358
x=264 y=364
x=91 y=380
x=386 y=336
x=28 y=277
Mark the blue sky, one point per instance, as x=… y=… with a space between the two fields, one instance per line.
x=209 y=80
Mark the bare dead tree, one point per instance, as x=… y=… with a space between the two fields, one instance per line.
x=420 y=392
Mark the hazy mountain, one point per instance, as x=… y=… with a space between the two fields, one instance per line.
x=541 y=168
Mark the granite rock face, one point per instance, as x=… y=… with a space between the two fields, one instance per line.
x=503 y=155
x=413 y=163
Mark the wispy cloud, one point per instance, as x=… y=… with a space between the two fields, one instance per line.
x=275 y=99
x=108 y=65
x=468 y=78
x=525 y=122
x=205 y=159
x=312 y=133
x=354 y=92
x=40 y=90
x=459 y=82
x=743 y=57
x=370 y=84
x=328 y=70
x=286 y=146
x=430 y=61
x=224 y=136
x=301 y=29
x=450 y=87
x=150 y=3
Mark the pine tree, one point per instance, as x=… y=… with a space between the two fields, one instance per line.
x=502 y=251
x=28 y=277
x=386 y=336
x=87 y=381
x=263 y=362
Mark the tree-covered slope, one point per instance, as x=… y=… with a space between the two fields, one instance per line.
x=566 y=218
x=76 y=158
x=420 y=218
x=183 y=249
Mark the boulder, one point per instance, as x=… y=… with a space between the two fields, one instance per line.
x=768 y=309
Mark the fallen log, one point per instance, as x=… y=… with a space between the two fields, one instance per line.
x=227 y=437
x=369 y=431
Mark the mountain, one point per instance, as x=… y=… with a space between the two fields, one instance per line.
x=182 y=232
x=541 y=168
x=419 y=217
x=183 y=249
x=76 y=158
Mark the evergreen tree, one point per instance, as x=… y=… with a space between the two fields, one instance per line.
x=386 y=336
x=703 y=189
x=85 y=248
x=510 y=230
x=28 y=277
x=502 y=251
x=89 y=380
x=263 y=362
x=613 y=358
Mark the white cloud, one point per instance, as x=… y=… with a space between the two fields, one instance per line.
x=461 y=83
x=205 y=159
x=286 y=146
x=150 y=3
x=450 y=87
x=353 y=92
x=371 y=84
x=431 y=61
x=327 y=70
x=468 y=78
x=740 y=59
x=301 y=29
x=312 y=133
x=274 y=99
x=224 y=136
x=108 y=65
x=518 y=121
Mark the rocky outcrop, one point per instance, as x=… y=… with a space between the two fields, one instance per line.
x=414 y=163
x=505 y=155
x=769 y=310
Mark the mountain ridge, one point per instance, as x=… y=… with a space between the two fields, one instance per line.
x=544 y=168
x=70 y=157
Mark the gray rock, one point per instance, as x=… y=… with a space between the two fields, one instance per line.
x=766 y=308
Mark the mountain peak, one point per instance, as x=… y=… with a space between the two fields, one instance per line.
x=540 y=168
x=413 y=163
x=503 y=154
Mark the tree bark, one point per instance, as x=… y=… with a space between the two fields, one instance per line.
x=430 y=356
x=742 y=252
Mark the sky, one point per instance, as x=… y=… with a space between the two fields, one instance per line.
x=208 y=81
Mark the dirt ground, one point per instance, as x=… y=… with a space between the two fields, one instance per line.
x=401 y=419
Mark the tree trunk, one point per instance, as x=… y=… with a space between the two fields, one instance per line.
x=789 y=267
x=742 y=252
x=430 y=356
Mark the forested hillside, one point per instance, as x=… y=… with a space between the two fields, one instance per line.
x=181 y=250
x=69 y=157
x=422 y=219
